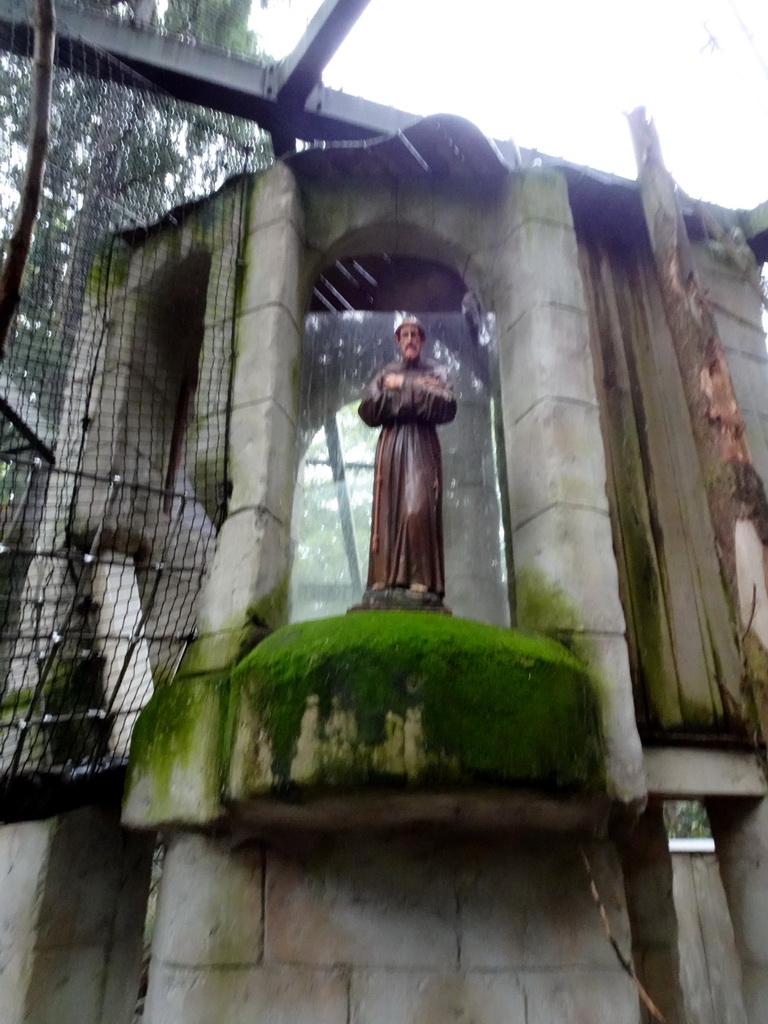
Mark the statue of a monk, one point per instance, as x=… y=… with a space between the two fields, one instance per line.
x=408 y=399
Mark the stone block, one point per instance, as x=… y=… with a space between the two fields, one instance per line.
x=726 y=285
x=365 y=217
x=249 y=571
x=72 y=911
x=275 y=198
x=268 y=354
x=527 y=904
x=758 y=445
x=566 y=569
x=758 y=381
x=381 y=997
x=79 y=903
x=538 y=267
x=555 y=457
x=540 y=194
x=24 y=849
x=214 y=365
x=747 y=338
x=755 y=988
x=478 y=598
x=742 y=370
x=175 y=771
x=262 y=459
x=377 y=903
x=271 y=276
x=474 y=223
x=209 y=910
x=574 y=997
x=609 y=658
x=67 y=986
x=545 y=354
x=278 y=995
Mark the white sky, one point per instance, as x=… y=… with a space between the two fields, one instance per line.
x=557 y=75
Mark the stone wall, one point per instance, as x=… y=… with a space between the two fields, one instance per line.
x=378 y=929
x=72 y=906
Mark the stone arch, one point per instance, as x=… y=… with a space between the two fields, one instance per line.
x=419 y=261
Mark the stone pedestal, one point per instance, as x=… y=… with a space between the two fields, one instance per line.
x=740 y=828
x=72 y=907
x=380 y=929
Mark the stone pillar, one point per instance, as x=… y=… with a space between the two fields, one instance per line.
x=566 y=575
x=245 y=592
x=647 y=867
x=472 y=518
x=376 y=929
x=740 y=829
x=116 y=594
x=72 y=906
x=248 y=582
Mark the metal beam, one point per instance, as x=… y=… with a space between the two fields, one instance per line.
x=199 y=74
x=302 y=70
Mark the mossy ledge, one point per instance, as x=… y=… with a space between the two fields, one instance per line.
x=375 y=703
x=408 y=699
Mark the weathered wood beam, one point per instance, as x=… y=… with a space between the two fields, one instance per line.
x=735 y=491
x=303 y=68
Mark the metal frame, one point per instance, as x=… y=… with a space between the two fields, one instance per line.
x=284 y=98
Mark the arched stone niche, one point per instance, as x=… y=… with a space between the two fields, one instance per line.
x=516 y=249
x=340 y=352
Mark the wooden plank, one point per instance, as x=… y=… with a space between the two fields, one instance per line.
x=705 y=645
x=648 y=633
x=722 y=959
x=677 y=773
x=694 y=975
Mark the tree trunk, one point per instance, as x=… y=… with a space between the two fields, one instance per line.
x=37 y=147
x=735 y=491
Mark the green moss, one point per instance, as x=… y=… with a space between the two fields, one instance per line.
x=541 y=604
x=109 y=267
x=755 y=686
x=249 y=199
x=542 y=607
x=16 y=699
x=500 y=705
x=271 y=610
x=179 y=748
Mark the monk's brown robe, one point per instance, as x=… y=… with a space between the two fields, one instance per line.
x=407 y=526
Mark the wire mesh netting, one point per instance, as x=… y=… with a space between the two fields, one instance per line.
x=114 y=402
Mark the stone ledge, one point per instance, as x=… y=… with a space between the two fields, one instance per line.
x=396 y=717
x=493 y=809
x=692 y=772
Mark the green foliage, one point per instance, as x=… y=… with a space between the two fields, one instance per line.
x=220 y=22
x=321 y=579
x=686 y=819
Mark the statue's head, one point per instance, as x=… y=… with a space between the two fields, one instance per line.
x=410 y=337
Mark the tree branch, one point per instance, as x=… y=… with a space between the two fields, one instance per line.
x=37 y=148
x=624 y=961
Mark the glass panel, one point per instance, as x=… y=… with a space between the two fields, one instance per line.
x=332 y=513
